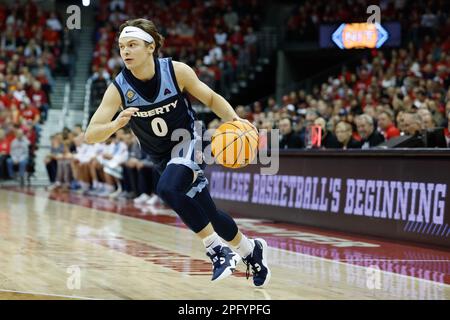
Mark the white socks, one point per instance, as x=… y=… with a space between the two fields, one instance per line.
x=245 y=247
x=109 y=188
x=211 y=242
x=84 y=185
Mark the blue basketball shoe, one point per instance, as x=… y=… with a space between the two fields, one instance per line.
x=257 y=261
x=224 y=262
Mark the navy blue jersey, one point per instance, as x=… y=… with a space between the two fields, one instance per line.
x=160 y=112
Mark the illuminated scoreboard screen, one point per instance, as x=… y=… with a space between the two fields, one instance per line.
x=360 y=35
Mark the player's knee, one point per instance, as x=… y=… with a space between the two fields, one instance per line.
x=165 y=190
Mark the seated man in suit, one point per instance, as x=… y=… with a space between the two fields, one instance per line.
x=414 y=128
x=344 y=136
x=289 y=138
x=366 y=129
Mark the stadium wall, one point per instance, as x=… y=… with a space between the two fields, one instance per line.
x=395 y=194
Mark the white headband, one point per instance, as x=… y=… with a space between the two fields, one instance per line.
x=136 y=32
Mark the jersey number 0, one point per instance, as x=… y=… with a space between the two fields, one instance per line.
x=159 y=127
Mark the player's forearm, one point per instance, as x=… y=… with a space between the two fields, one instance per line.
x=222 y=108
x=99 y=132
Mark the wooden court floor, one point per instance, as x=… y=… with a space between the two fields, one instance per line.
x=71 y=247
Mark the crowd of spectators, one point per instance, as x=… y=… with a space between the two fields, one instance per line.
x=217 y=38
x=417 y=18
x=390 y=93
x=358 y=108
x=115 y=169
x=32 y=47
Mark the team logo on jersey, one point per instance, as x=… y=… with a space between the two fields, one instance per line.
x=130 y=95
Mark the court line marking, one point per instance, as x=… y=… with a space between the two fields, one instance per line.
x=398 y=260
x=48 y=294
x=273 y=248
x=362 y=267
x=383 y=260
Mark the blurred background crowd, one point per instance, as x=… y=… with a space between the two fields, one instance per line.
x=389 y=93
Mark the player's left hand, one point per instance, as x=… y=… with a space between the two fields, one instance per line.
x=246 y=121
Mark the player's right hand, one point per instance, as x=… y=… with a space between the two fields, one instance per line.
x=124 y=117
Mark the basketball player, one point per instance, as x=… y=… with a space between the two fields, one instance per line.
x=152 y=95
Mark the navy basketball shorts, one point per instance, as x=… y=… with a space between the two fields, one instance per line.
x=191 y=155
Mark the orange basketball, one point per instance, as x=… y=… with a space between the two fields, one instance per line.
x=234 y=144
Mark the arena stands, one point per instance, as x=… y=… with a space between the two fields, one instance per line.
x=31 y=45
x=385 y=85
x=220 y=43
x=389 y=93
x=417 y=18
x=116 y=169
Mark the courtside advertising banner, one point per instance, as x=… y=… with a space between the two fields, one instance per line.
x=396 y=196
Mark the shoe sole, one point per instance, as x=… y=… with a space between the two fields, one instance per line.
x=264 y=262
x=154 y=204
x=229 y=271
x=136 y=201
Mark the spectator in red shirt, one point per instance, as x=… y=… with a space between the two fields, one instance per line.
x=29 y=112
x=30 y=132
x=5 y=145
x=237 y=39
x=5 y=100
x=386 y=124
x=39 y=99
x=447 y=130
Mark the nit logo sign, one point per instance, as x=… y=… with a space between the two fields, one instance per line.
x=360 y=35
